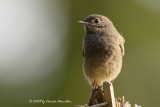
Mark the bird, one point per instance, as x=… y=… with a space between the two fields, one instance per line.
x=103 y=50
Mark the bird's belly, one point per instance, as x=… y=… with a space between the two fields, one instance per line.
x=99 y=70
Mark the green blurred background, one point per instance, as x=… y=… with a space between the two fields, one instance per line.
x=41 y=51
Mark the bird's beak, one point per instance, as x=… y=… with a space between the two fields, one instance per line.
x=82 y=22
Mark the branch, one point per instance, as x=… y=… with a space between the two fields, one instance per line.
x=104 y=97
x=109 y=93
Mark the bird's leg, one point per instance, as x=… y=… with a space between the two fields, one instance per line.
x=93 y=84
x=97 y=84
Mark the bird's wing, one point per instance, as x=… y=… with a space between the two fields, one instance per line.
x=121 y=45
x=122 y=48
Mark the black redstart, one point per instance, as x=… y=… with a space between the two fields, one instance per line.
x=103 y=49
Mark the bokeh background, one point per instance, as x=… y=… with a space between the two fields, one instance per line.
x=41 y=51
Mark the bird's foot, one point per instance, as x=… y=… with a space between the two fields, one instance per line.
x=96 y=85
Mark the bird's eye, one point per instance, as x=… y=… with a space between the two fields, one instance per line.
x=96 y=20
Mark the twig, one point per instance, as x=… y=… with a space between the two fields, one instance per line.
x=109 y=93
x=100 y=105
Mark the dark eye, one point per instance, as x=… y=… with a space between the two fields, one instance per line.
x=96 y=20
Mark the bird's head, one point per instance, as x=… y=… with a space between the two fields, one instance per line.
x=96 y=23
